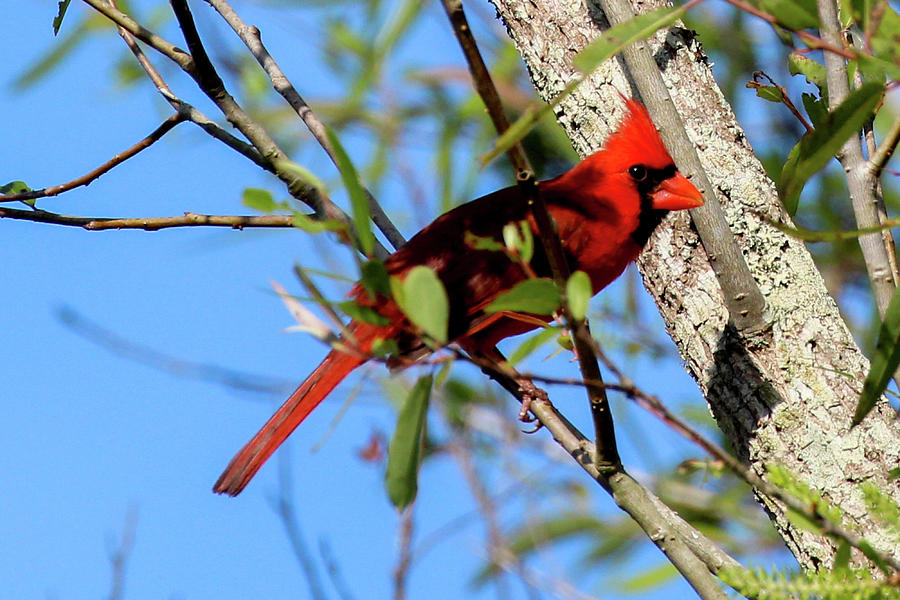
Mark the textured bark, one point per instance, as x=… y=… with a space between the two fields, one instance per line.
x=786 y=397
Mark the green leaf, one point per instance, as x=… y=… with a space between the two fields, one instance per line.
x=311 y=225
x=375 y=279
x=617 y=38
x=359 y=201
x=611 y=42
x=884 y=361
x=405 y=449
x=63 y=6
x=816 y=108
x=579 y=292
x=14 y=187
x=872 y=64
x=423 y=300
x=305 y=175
x=814 y=72
x=875 y=557
x=767 y=92
x=793 y=14
x=366 y=314
x=478 y=242
x=649 y=578
x=259 y=200
x=842 y=557
x=815 y=149
x=532 y=343
x=519 y=238
x=534 y=296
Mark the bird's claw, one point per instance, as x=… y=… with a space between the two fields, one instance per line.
x=530 y=394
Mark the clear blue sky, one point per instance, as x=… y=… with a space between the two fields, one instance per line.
x=88 y=436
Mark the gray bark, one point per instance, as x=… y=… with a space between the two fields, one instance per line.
x=782 y=398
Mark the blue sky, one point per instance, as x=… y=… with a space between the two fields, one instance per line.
x=88 y=436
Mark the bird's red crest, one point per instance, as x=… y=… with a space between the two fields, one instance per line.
x=636 y=140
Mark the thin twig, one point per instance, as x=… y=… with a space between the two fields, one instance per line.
x=109 y=165
x=252 y=37
x=195 y=116
x=404 y=552
x=811 y=40
x=119 y=556
x=861 y=179
x=600 y=410
x=879 y=159
x=298 y=187
x=189 y=219
x=283 y=504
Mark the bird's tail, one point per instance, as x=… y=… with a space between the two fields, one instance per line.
x=336 y=366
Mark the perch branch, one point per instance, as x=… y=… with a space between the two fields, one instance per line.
x=252 y=37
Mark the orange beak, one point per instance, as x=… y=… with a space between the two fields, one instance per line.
x=676 y=193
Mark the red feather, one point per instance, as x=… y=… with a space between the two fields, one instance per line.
x=604 y=208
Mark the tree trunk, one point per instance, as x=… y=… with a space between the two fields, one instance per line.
x=786 y=396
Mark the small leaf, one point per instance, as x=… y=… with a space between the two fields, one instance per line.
x=649 y=578
x=424 y=301
x=305 y=175
x=519 y=239
x=875 y=557
x=579 y=292
x=816 y=109
x=617 y=38
x=532 y=343
x=63 y=6
x=359 y=201
x=795 y=14
x=815 y=149
x=842 y=557
x=814 y=72
x=311 y=225
x=478 y=242
x=366 y=314
x=259 y=200
x=766 y=92
x=14 y=187
x=405 y=448
x=534 y=296
x=884 y=361
x=375 y=279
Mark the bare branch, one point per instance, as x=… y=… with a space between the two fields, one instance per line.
x=879 y=159
x=253 y=39
x=192 y=114
x=116 y=160
x=119 y=556
x=861 y=180
x=189 y=219
x=210 y=84
x=404 y=553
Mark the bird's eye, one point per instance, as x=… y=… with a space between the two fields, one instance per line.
x=638 y=172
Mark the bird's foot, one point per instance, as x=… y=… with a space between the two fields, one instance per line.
x=531 y=393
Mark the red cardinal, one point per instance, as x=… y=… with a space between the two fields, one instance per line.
x=605 y=208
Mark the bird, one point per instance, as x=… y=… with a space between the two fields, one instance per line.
x=605 y=208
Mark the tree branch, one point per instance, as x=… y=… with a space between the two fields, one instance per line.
x=116 y=160
x=602 y=415
x=861 y=180
x=253 y=131
x=253 y=39
x=194 y=115
x=189 y=219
